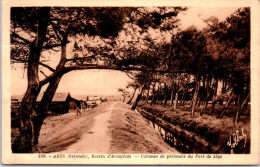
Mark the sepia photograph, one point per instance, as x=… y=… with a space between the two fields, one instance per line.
x=122 y=82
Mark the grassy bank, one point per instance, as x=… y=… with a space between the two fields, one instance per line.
x=132 y=134
x=216 y=131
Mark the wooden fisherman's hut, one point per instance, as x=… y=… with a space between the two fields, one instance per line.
x=61 y=103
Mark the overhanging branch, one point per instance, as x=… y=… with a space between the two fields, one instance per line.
x=14 y=35
x=19 y=60
x=43 y=74
x=102 y=67
x=16 y=41
x=44 y=65
x=51 y=46
x=55 y=31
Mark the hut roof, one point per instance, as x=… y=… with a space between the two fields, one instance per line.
x=58 y=97
x=80 y=97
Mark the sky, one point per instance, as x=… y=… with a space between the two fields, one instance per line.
x=84 y=82
x=196 y=15
x=107 y=82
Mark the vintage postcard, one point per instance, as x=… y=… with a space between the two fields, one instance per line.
x=130 y=83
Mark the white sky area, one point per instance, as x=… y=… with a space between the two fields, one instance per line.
x=195 y=15
x=106 y=82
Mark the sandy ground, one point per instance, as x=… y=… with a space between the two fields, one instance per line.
x=132 y=134
x=97 y=139
x=110 y=128
x=60 y=132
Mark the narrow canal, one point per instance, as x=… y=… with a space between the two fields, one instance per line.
x=181 y=139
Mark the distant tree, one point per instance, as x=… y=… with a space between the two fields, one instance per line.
x=123 y=92
x=143 y=79
x=135 y=86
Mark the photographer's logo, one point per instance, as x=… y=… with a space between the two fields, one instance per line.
x=235 y=139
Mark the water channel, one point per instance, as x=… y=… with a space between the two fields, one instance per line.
x=182 y=140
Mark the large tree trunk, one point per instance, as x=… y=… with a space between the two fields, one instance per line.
x=195 y=96
x=44 y=106
x=161 y=96
x=199 y=102
x=239 y=103
x=182 y=99
x=147 y=96
x=172 y=96
x=225 y=107
x=158 y=94
x=165 y=94
x=224 y=87
x=176 y=100
x=130 y=100
x=49 y=94
x=207 y=94
x=241 y=107
x=138 y=99
x=25 y=141
x=215 y=88
x=245 y=102
x=153 y=98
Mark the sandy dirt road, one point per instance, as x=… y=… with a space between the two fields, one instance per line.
x=117 y=129
x=97 y=139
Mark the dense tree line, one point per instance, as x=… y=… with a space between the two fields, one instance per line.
x=216 y=58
